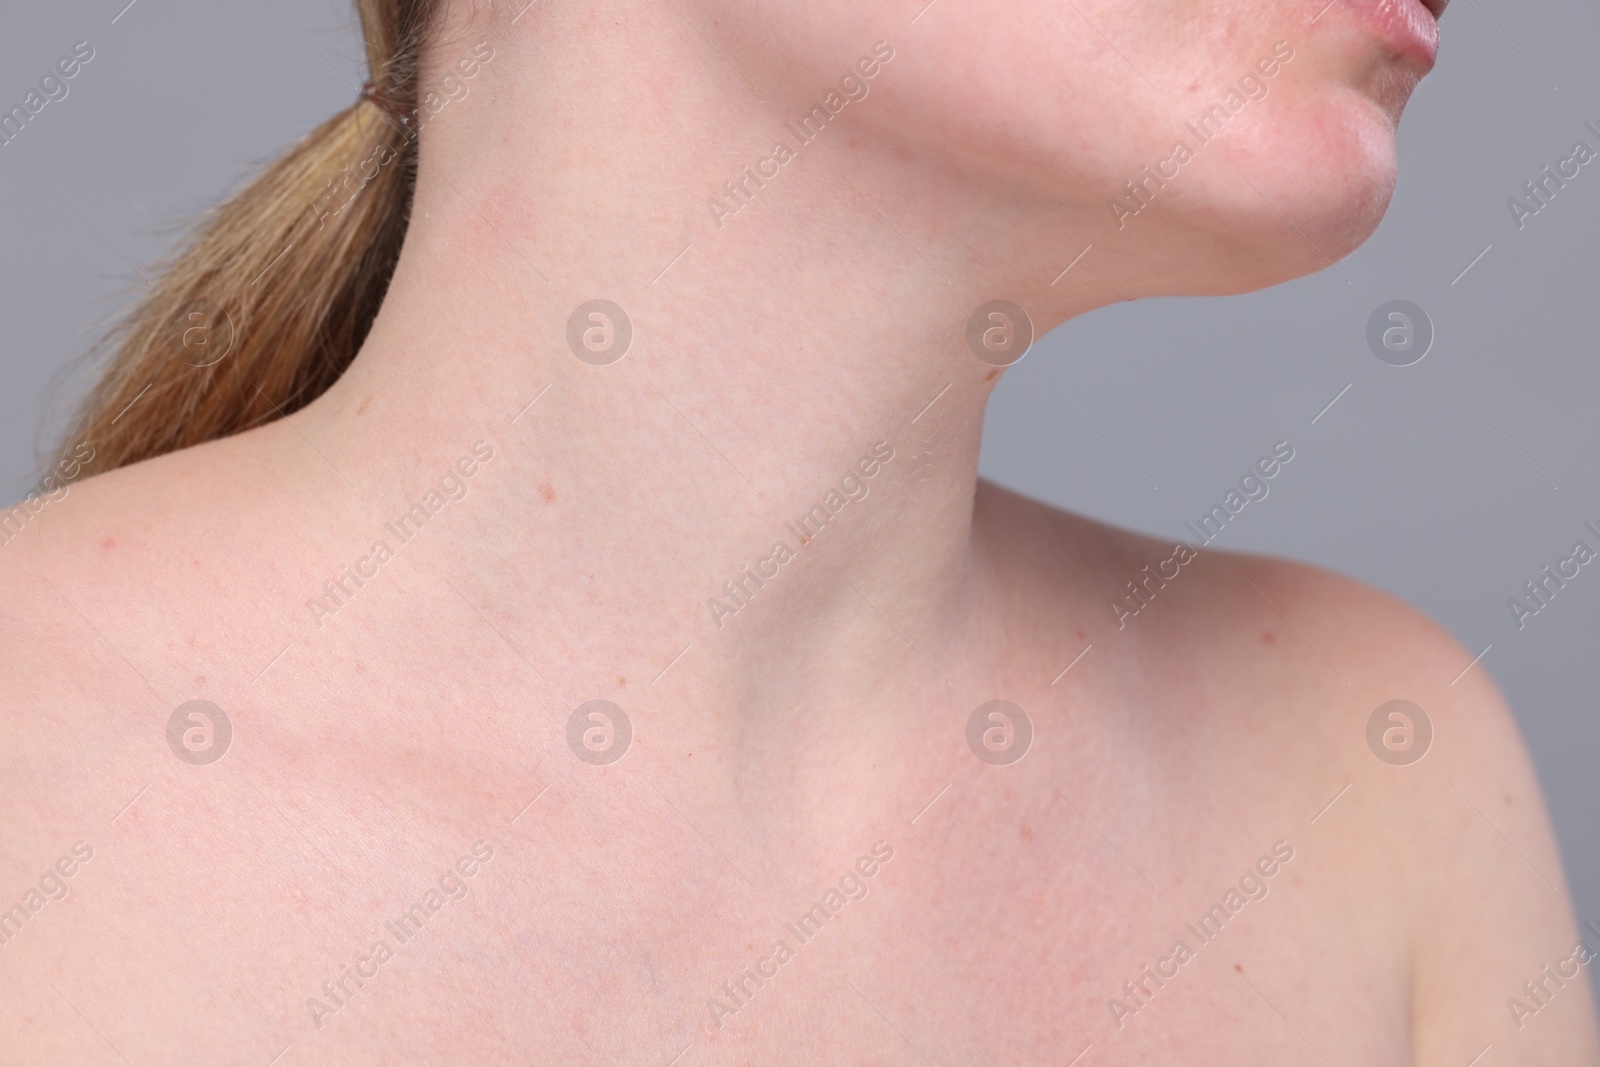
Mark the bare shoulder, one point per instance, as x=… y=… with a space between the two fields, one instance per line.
x=1450 y=798
x=1443 y=812
x=75 y=566
x=72 y=736
x=123 y=532
x=1394 y=749
x=80 y=543
x=109 y=594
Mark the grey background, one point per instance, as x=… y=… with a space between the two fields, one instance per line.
x=1404 y=483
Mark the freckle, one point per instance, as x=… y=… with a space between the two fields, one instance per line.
x=548 y=492
x=621 y=680
x=200 y=679
x=1239 y=967
x=991 y=376
x=361 y=409
x=108 y=544
x=1268 y=637
x=1508 y=799
x=1027 y=832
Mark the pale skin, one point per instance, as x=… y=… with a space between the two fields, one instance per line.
x=373 y=746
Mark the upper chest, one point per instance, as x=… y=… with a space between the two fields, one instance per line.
x=614 y=913
x=409 y=859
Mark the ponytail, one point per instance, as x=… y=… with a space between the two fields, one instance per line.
x=273 y=292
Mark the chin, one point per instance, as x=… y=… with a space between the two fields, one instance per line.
x=1291 y=201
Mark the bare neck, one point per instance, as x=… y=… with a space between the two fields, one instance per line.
x=800 y=364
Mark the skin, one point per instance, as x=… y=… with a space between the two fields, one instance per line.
x=373 y=746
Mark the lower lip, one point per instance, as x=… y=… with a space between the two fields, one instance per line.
x=1406 y=25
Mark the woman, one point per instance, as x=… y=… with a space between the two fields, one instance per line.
x=536 y=603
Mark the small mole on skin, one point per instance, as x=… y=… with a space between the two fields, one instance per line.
x=621 y=680
x=1508 y=799
x=1268 y=638
x=1239 y=967
x=991 y=376
x=108 y=544
x=548 y=492
x=361 y=408
x=1079 y=633
x=1027 y=832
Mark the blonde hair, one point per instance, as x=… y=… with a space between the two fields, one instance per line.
x=272 y=293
